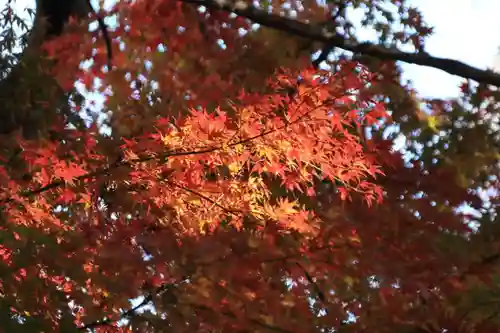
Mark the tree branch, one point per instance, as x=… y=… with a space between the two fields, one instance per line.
x=123 y=163
x=133 y=311
x=316 y=33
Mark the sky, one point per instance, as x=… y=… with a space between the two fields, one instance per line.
x=465 y=30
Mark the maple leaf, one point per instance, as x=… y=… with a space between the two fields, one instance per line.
x=68 y=172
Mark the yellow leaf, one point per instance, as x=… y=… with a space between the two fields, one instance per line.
x=433 y=123
x=239 y=148
x=287 y=207
x=234 y=167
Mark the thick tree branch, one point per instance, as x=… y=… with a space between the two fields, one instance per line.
x=316 y=33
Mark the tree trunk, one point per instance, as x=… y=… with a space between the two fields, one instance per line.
x=29 y=96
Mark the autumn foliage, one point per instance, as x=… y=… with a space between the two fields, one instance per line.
x=238 y=188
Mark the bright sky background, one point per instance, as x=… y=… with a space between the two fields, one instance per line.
x=465 y=30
